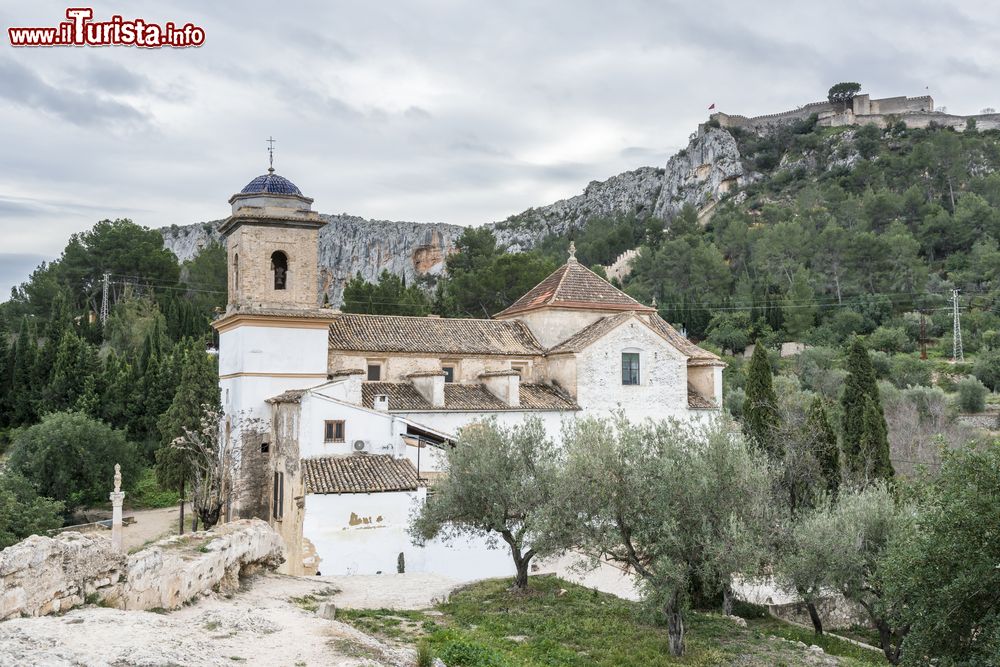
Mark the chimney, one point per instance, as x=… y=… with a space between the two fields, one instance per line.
x=430 y=385
x=505 y=385
x=380 y=402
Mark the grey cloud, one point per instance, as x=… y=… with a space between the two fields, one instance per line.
x=24 y=88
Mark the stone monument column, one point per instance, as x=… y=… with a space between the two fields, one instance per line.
x=117 y=496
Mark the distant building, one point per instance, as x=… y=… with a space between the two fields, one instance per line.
x=359 y=407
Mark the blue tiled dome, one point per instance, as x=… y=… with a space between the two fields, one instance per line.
x=271 y=183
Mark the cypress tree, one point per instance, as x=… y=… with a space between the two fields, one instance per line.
x=118 y=388
x=24 y=386
x=69 y=373
x=198 y=388
x=760 y=413
x=875 y=443
x=6 y=378
x=825 y=447
x=860 y=394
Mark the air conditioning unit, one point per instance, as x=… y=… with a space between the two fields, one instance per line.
x=361 y=447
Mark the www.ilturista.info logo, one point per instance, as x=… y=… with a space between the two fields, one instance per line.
x=80 y=30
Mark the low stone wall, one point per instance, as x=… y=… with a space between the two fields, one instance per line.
x=44 y=575
x=835 y=613
x=989 y=421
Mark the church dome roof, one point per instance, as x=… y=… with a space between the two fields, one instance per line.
x=271 y=183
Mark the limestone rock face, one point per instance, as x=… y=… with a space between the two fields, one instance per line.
x=707 y=169
x=629 y=192
x=45 y=575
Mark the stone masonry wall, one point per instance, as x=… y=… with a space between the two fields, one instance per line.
x=45 y=575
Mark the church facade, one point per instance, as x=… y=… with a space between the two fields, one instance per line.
x=358 y=409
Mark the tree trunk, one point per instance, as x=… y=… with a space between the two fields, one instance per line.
x=521 y=561
x=675 y=625
x=727 y=601
x=521 y=580
x=885 y=639
x=180 y=530
x=814 y=617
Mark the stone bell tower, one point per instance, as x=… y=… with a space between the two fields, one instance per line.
x=272 y=243
x=273 y=335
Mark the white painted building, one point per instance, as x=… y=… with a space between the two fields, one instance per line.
x=361 y=407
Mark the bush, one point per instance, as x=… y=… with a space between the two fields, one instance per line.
x=880 y=363
x=987 y=368
x=971 y=395
x=23 y=512
x=71 y=457
x=908 y=371
x=890 y=339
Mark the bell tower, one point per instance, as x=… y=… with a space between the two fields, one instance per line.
x=272 y=244
x=273 y=336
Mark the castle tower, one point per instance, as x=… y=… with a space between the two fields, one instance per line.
x=273 y=335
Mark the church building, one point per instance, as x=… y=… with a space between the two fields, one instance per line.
x=358 y=409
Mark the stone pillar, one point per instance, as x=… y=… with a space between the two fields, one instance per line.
x=117 y=496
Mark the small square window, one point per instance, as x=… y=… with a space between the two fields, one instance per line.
x=374 y=372
x=449 y=373
x=333 y=430
x=520 y=369
x=630 y=368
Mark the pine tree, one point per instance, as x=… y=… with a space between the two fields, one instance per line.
x=760 y=413
x=875 y=443
x=825 y=447
x=860 y=395
x=58 y=324
x=24 y=386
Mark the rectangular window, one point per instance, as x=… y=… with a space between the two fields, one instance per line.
x=520 y=368
x=449 y=373
x=374 y=372
x=333 y=430
x=630 y=368
x=278 y=501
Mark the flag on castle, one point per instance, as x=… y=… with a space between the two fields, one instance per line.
x=711 y=106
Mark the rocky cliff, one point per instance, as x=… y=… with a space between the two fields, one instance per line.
x=709 y=168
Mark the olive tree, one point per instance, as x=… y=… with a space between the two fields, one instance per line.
x=497 y=482
x=669 y=501
x=840 y=546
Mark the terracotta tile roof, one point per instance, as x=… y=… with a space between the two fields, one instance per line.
x=698 y=402
x=434 y=335
x=403 y=397
x=573 y=285
x=580 y=340
x=290 y=396
x=359 y=473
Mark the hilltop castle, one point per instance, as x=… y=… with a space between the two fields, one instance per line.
x=862 y=110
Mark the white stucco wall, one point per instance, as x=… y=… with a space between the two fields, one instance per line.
x=662 y=391
x=370 y=546
x=554 y=325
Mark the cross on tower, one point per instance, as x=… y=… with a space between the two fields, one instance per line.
x=270 y=153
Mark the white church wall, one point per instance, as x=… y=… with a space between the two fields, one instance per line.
x=451 y=422
x=274 y=349
x=350 y=539
x=662 y=391
x=380 y=430
x=554 y=325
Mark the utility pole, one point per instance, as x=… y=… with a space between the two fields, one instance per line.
x=104 y=300
x=956 y=350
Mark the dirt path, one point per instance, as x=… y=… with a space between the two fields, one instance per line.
x=151 y=525
x=390 y=591
x=260 y=625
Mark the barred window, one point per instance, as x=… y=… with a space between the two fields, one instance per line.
x=333 y=430
x=630 y=368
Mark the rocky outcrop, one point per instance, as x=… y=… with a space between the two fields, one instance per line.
x=709 y=168
x=45 y=575
x=700 y=175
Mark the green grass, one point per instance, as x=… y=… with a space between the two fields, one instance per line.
x=148 y=494
x=486 y=625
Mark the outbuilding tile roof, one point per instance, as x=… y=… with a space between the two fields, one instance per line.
x=290 y=396
x=432 y=335
x=403 y=397
x=573 y=285
x=698 y=402
x=359 y=473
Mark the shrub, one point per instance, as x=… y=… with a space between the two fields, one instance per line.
x=987 y=368
x=880 y=362
x=971 y=395
x=890 y=340
x=70 y=457
x=425 y=657
x=908 y=371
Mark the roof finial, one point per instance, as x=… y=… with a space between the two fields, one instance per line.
x=654 y=301
x=270 y=154
x=572 y=251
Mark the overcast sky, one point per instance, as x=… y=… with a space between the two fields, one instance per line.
x=461 y=112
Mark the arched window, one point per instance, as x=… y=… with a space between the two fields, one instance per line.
x=279 y=266
x=236 y=272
